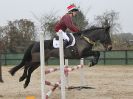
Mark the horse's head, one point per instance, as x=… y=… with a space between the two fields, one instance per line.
x=105 y=39
x=100 y=34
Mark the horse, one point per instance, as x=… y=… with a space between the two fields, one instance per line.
x=1 y=50
x=85 y=40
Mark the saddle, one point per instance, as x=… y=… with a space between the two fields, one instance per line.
x=70 y=43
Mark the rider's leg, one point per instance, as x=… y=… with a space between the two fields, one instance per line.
x=65 y=38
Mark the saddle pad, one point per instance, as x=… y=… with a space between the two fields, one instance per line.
x=56 y=42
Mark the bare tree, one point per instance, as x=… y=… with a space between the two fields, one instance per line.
x=123 y=41
x=80 y=20
x=109 y=18
x=47 y=24
x=19 y=34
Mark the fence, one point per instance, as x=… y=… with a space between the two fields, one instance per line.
x=115 y=57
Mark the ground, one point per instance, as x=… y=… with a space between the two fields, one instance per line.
x=105 y=82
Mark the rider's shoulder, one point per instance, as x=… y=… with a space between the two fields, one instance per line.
x=66 y=16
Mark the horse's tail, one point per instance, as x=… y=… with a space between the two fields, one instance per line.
x=26 y=58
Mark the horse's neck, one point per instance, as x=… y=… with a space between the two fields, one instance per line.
x=94 y=34
x=91 y=36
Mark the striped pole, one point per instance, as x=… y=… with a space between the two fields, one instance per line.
x=62 y=74
x=42 y=65
x=66 y=73
x=73 y=68
x=57 y=84
x=51 y=70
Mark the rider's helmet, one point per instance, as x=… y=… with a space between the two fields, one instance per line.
x=72 y=8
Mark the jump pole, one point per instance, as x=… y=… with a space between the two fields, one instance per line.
x=66 y=74
x=62 y=74
x=81 y=72
x=42 y=63
x=82 y=77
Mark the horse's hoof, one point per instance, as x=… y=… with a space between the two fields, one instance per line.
x=21 y=79
x=25 y=85
x=1 y=96
x=91 y=64
x=1 y=81
x=11 y=72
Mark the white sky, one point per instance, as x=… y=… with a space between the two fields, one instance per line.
x=17 y=9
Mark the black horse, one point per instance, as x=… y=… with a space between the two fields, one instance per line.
x=82 y=49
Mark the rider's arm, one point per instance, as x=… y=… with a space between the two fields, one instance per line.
x=68 y=22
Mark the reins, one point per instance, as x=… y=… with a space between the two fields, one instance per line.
x=88 y=40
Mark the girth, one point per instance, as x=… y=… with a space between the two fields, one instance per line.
x=74 y=51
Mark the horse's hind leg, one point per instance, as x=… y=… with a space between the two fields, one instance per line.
x=33 y=66
x=24 y=73
x=26 y=58
x=16 y=68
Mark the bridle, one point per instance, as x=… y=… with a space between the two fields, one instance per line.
x=88 y=40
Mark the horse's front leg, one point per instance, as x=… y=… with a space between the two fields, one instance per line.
x=94 y=60
x=24 y=73
x=32 y=67
x=95 y=56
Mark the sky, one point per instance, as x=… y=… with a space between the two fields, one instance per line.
x=11 y=10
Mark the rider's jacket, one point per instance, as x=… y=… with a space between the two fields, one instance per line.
x=64 y=23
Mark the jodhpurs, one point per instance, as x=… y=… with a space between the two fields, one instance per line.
x=65 y=37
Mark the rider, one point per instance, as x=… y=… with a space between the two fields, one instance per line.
x=66 y=22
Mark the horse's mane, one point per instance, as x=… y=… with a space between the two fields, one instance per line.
x=92 y=28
